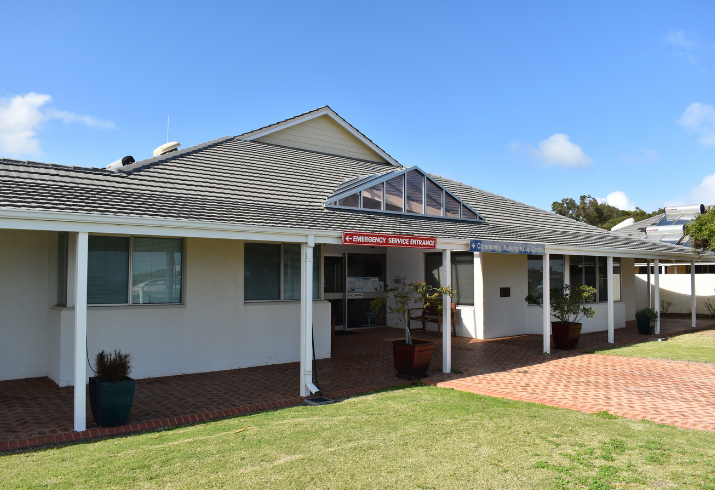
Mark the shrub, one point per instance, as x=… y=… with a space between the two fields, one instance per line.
x=649 y=312
x=665 y=305
x=114 y=367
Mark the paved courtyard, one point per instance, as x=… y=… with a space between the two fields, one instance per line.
x=36 y=411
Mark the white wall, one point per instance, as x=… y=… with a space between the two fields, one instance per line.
x=325 y=135
x=24 y=303
x=676 y=288
x=213 y=330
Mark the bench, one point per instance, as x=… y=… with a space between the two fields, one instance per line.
x=431 y=314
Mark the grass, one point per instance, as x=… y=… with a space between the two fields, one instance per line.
x=693 y=347
x=418 y=437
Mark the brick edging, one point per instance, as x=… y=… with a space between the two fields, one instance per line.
x=168 y=422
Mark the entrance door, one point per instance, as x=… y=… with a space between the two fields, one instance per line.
x=334 y=287
x=365 y=281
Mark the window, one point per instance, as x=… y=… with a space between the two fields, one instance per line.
x=155 y=270
x=108 y=270
x=434 y=198
x=462 y=275
x=405 y=191
x=593 y=271
x=394 y=189
x=535 y=274
x=414 y=192
x=372 y=197
x=271 y=272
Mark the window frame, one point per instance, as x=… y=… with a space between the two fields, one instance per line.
x=596 y=299
x=281 y=285
x=181 y=302
x=426 y=257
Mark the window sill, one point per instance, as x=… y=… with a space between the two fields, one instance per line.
x=124 y=307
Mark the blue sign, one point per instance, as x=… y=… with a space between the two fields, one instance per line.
x=496 y=247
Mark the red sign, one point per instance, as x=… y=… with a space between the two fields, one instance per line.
x=385 y=240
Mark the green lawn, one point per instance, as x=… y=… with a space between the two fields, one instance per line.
x=420 y=437
x=693 y=347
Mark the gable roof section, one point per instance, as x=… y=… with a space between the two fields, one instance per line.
x=312 y=131
x=358 y=184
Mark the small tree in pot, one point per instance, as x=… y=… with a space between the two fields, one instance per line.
x=111 y=391
x=645 y=320
x=567 y=305
x=412 y=356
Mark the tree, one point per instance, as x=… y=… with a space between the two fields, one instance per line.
x=601 y=214
x=702 y=231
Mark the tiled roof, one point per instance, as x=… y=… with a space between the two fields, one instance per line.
x=245 y=182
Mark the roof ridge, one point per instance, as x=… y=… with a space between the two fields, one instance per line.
x=128 y=169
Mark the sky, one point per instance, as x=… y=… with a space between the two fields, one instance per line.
x=535 y=101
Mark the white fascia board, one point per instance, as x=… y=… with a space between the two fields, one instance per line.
x=324 y=112
x=639 y=254
x=124 y=225
x=453 y=244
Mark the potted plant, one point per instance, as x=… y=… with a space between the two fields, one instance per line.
x=645 y=319
x=567 y=306
x=411 y=356
x=111 y=391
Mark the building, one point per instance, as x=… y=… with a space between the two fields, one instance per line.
x=675 y=280
x=204 y=259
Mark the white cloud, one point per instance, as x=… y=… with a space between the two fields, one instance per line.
x=646 y=156
x=22 y=116
x=700 y=118
x=703 y=193
x=557 y=150
x=619 y=200
x=677 y=38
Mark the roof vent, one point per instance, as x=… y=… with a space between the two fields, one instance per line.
x=623 y=224
x=167 y=148
x=115 y=166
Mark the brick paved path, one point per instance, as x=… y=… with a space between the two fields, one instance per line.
x=681 y=394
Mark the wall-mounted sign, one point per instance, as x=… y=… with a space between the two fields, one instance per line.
x=355 y=295
x=386 y=240
x=496 y=247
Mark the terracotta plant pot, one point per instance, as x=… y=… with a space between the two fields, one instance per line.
x=565 y=335
x=646 y=326
x=412 y=360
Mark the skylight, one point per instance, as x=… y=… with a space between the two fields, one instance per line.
x=406 y=191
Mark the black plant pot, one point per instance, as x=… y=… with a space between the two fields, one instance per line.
x=645 y=325
x=111 y=401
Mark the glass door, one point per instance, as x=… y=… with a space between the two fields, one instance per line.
x=365 y=281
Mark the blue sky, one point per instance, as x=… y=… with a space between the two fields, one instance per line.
x=536 y=101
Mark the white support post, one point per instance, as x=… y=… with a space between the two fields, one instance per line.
x=609 y=292
x=478 y=296
x=693 y=297
x=567 y=270
x=647 y=263
x=656 y=294
x=546 y=302
x=306 y=315
x=80 y=332
x=446 y=313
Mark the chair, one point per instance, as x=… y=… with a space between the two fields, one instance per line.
x=431 y=314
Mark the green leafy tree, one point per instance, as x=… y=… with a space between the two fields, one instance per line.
x=589 y=210
x=702 y=231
